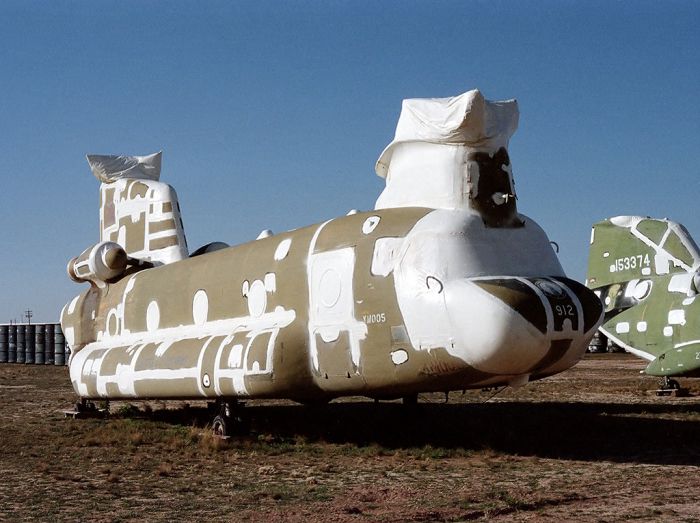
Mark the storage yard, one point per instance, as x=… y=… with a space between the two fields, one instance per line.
x=593 y=444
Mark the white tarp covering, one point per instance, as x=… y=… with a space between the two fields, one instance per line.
x=109 y=169
x=426 y=163
x=466 y=119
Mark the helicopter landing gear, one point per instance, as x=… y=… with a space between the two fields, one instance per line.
x=229 y=419
x=671 y=387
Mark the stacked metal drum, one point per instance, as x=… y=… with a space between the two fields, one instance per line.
x=39 y=344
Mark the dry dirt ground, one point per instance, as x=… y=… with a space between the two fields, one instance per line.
x=591 y=444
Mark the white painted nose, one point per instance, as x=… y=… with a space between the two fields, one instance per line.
x=491 y=335
x=514 y=326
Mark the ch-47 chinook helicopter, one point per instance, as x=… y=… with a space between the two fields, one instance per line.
x=646 y=272
x=443 y=286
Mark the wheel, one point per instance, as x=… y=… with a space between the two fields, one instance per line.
x=669 y=384
x=221 y=426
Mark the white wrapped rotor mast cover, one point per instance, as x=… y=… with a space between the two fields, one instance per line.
x=110 y=168
x=431 y=162
x=466 y=119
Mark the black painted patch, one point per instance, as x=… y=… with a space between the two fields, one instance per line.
x=494 y=180
x=557 y=350
x=520 y=297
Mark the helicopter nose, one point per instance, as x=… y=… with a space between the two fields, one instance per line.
x=516 y=326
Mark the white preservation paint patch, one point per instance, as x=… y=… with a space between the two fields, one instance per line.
x=235 y=359
x=399 y=356
x=200 y=307
x=682 y=283
x=676 y=317
x=386 y=254
x=124 y=378
x=152 y=316
x=283 y=249
x=73 y=302
x=331 y=301
x=265 y=233
x=661 y=263
x=163 y=347
x=641 y=290
x=329 y=334
x=69 y=334
x=257 y=299
x=641 y=326
x=626 y=221
x=121 y=235
x=646 y=271
x=370 y=224
x=668 y=331
x=330 y=287
x=270 y=282
x=622 y=327
x=688 y=301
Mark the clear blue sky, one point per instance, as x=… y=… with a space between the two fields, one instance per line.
x=272 y=114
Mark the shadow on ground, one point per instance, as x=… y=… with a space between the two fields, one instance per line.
x=625 y=433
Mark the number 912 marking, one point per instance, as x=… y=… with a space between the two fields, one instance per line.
x=565 y=310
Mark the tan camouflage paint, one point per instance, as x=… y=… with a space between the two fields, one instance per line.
x=269 y=336
x=144 y=217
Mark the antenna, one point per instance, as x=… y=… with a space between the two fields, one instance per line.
x=28 y=314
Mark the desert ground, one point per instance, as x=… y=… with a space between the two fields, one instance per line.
x=591 y=444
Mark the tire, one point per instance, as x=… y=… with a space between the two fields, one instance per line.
x=221 y=426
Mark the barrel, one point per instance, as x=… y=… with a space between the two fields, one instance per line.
x=11 y=343
x=21 y=343
x=3 y=343
x=49 y=353
x=30 y=341
x=59 y=346
x=39 y=344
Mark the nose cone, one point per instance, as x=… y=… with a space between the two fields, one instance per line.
x=513 y=326
x=591 y=306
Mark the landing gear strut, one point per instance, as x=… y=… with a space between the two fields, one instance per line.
x=229 y=419
x=669 y=384
x=670 y=387
x=87 y=409
x=84 y=406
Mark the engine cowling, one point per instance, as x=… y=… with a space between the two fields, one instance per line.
x=98 y=263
